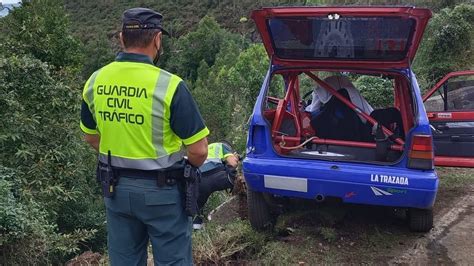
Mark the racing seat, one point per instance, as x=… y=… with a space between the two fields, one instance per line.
x=338 y=121
x=391 y=119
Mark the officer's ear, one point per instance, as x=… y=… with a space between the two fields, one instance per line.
x=157 y=39
x=121 y=40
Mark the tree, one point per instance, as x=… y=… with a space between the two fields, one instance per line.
x=212 y=94
x=203 y=44
x=39 y=139
x=48 y=167
x=245 y=79
x=377 y=91
x=226 y=92
x=41 y=31
x=447 y=45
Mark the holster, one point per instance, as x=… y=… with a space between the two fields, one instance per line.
x=192 y=178
x=107 y=178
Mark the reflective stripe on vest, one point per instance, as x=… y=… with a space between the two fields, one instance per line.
x=131 y=102
x=215 y=151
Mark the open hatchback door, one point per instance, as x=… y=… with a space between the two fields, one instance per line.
x=450 y=108
x=382 y=37
x=340 y=114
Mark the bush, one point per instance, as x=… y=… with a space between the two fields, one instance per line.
x=377 y=91
x=39 y=138
x=447 y=45
x=53 y=208
x=219 y=245
x=18 y=219
x=203 y=44
x=27 y=236
x=245 y=80
x=41 y=29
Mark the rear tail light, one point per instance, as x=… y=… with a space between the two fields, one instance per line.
x=421 y=154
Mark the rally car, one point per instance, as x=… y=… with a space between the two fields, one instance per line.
x=312 y=135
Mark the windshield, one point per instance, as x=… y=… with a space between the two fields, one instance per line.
x=335 y=37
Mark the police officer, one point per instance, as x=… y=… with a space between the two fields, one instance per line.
x=218 y=173
x=143 y=121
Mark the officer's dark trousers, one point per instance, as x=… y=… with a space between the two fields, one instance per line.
x=141 y=211
x=212 y=183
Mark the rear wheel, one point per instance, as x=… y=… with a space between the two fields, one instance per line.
x=420 y=220
x=259 y=211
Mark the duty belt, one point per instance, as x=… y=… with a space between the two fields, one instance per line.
x=168 y=177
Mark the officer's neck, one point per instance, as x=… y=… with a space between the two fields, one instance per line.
x=148 y=51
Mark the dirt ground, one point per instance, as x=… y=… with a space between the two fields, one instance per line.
x=353 y=234
x=452 y=239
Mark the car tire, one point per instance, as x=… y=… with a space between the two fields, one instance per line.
x=259 y=211
x=420 y=220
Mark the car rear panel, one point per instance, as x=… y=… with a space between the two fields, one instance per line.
x=386 y=184
x=351 y=182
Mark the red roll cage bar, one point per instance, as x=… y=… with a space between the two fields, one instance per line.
x=292 y=95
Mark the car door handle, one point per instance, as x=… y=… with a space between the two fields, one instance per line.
x=442 y=127
x=455 y=138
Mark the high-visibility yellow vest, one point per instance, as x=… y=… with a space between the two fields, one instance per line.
x=130 y=101
x=216 y=151
x=215 y=156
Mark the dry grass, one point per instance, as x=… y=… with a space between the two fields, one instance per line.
x=222 y=244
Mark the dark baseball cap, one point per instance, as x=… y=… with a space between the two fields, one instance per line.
x=142 y=18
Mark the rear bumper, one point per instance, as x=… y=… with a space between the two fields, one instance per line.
x=353 y=183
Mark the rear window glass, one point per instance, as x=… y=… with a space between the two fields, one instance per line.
x=351 y=38
x=457 y=94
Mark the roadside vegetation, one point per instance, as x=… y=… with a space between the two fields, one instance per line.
x=50 y=208
x=329 y=233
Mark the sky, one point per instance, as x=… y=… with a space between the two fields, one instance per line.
x=5 y=11
x=9 y=1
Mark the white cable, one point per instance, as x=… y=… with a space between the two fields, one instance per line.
x=295 y=147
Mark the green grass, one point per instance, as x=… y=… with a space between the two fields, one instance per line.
x=216 y=199
x=322 y=234
x=455 y=177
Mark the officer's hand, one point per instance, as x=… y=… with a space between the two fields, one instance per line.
x=232 y=160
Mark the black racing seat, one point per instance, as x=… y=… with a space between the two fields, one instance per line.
x=388 y=117
x=338 y=121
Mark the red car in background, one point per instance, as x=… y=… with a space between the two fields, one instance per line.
x=450 y=109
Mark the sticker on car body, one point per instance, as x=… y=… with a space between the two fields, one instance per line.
x=445 y=115
x=389 y=179
x=380 y=192
x=286 y=183
x=388 y=191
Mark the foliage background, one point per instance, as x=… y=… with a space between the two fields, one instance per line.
x=50 y=208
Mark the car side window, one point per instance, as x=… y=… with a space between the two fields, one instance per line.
x=456 y=94
x=275 y=92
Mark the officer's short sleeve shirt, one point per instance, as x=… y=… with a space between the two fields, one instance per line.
x=185 y=118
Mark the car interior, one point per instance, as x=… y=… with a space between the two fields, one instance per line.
x=343 y=126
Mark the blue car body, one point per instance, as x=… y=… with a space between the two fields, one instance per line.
x=354 y=182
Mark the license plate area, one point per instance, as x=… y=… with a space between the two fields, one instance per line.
x=286 y=183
